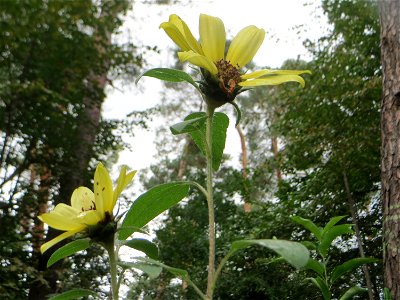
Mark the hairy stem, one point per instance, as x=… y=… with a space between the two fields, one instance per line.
x=210 y=201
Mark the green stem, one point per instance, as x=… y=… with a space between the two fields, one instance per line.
x=112 y=254
x=210 y=201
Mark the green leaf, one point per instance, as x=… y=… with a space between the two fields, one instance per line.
x=74 y=294
x=68 y=250
x=309 y=225
x=175 y=271
x=309 y=245
x=332 y=234
x=152 y=203
x=143 y=245
x=188 y=126
x=171 y=75
x=316 y=266
x=351 y=292
x=294 y=253
x=331 y=223
x=386 y=294
x=220 y=126
x=321 y=284
x=349 y=265
x=150 y=269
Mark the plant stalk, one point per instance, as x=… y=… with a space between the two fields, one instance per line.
x=112 y=254
x=210 y=201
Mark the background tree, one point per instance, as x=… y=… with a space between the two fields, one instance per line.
x=390 y=46
x=57 y=57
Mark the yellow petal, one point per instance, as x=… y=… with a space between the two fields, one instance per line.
x=173 y=32
x=273 y=80
x=185 y=31
x=61 y=218
x=245 y=45
x=260 y=73
x=122 y=182
x=82 y=199
x=58 y=239
x=103 y=190
x=90 y=217
x=198 y=60
x=212 y=37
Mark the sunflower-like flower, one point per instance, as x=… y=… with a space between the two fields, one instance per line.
x=89 y=211
x=222 y=73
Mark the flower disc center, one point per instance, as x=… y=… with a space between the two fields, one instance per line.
x=228 y=76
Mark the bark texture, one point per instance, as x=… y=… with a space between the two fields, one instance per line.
x=390 y=126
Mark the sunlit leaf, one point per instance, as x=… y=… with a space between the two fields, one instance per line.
x=67 y=250
x=332 y=222
x=152 y=203
x=294 y=253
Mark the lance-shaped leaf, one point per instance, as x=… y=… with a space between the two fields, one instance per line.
x=316 y=266
x=219 y=128
x=143 y=245
x=332 y=234
x=323 y=287
x=349 y=265
x=351 y=292
x=68 y=250
x=309 y=225
x=332 y=222
x=294 y=253
x=171 y=75
x=74 y=294
x=152 y=270
x=190 y=124
x=152 y=203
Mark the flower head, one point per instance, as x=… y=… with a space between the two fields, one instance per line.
x=88 y=209
x=222 y=73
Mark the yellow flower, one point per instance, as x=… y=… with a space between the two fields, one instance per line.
x=87 y=208
x=209 y=55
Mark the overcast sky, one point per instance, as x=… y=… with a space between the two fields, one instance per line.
x=287 y=23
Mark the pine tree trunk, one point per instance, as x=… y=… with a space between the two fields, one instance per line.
x=390 y=126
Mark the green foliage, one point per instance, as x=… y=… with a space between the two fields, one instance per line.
x=294 y=253
x=150 y=204
x=170 y=75
x=74 y=294
x=325 y=278
x=143 y=245
x=67 y=250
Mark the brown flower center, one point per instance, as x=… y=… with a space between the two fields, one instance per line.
x=228 y=76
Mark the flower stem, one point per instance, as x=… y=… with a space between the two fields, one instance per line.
x=112 y=254
x=210 y=201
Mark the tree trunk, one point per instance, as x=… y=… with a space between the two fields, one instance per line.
x=247 y=204
x=87 y=130
x=390 y=126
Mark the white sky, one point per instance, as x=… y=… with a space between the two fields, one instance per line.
x=287 y=23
